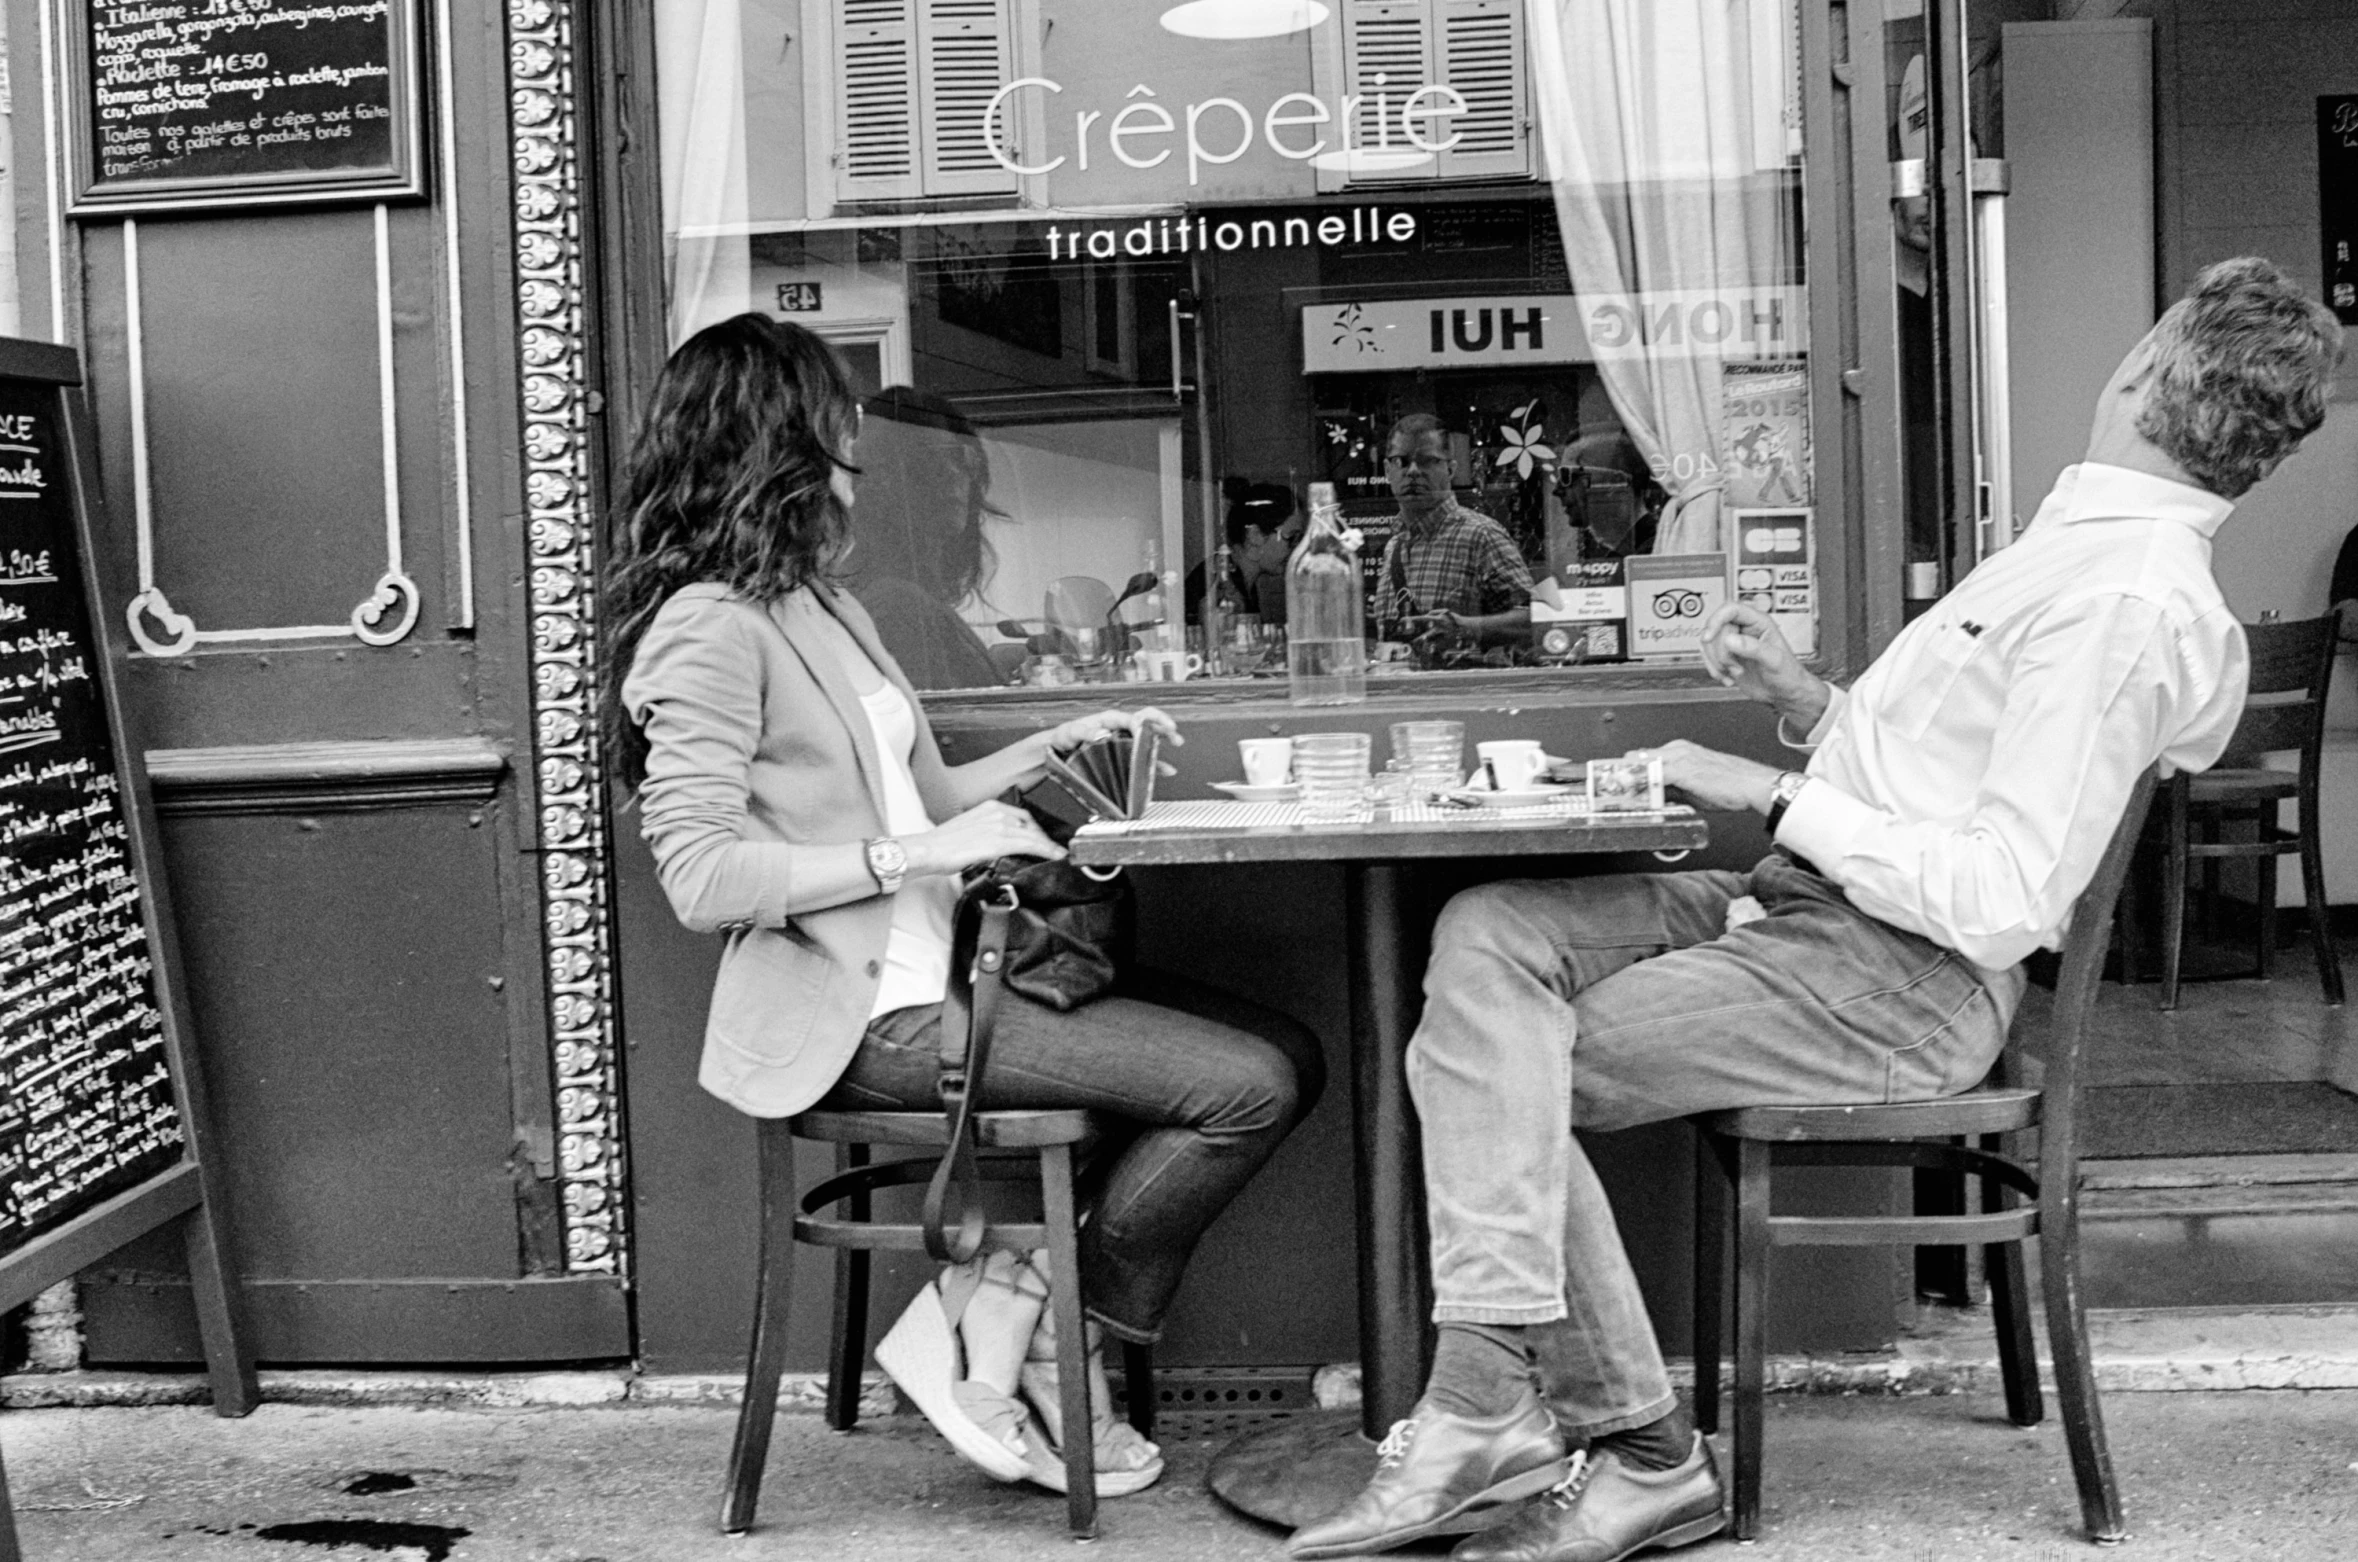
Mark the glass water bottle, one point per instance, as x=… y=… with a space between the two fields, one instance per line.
x=1325 y=610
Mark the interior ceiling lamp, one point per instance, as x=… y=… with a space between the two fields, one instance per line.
x=1243 y=18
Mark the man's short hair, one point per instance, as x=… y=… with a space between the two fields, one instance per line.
x=1415 y=424
x=2241 y=368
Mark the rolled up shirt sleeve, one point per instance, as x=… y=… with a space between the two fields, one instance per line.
x=2086 y=700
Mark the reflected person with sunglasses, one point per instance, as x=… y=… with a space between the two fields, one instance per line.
x=1451 y=576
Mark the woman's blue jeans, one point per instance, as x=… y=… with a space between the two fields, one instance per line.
x=1212 y=1083
x=1608 y=1002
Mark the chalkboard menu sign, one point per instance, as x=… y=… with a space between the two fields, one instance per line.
x=211 y=103
x=2337 y=202
x=102 y=1119
x=86 y=1105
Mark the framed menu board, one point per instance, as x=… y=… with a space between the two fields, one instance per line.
x=103 y=1130
x=178 y=104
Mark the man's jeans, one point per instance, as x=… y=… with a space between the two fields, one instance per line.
x=1815 y=1002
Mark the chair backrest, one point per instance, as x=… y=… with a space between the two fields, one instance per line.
x=2075 y=1001
x=2292 y=666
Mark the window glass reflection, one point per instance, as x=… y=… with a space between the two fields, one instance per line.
x=1521 y=281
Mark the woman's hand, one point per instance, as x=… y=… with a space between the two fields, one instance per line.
x=1066 y=736
x=984 y=833
x=1063 y=739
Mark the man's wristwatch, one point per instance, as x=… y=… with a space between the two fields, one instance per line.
x=888 y=864
x=1782 y=791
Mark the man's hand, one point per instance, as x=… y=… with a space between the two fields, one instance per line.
x=1743 y=649
x=1711 y=779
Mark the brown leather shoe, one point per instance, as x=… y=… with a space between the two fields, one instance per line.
x=1604 y=1511
x=1439 y=1474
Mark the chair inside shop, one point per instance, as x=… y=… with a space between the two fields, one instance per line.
x=2284 y=712
x=1015 y=1145
x=2023 y=1196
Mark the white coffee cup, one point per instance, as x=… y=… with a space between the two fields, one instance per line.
x=1170 y=666
x=1267 y=761
x=1519 y=763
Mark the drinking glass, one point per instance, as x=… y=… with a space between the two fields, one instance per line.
x=1433 y=752
x=1332 y=768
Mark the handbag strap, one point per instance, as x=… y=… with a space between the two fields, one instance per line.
x=954 y=1223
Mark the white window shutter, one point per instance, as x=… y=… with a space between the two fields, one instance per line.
x=1392 y=39
x=1484 y=57
x=877 y=147
x=965 y=55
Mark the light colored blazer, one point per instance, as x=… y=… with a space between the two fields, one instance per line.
x=760 y=749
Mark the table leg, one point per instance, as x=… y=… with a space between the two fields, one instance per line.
x=1395 y=1290
x=1310 y=1465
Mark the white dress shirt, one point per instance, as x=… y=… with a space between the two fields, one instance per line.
x=1966 y=785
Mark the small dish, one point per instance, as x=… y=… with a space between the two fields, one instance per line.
x=1522 y=797
x=1246 y=792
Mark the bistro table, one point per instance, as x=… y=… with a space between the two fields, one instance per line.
x=1309 y=1466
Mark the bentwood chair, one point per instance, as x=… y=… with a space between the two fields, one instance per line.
x=2292 y=667
x=1041 y=1142
x=1736 y=1150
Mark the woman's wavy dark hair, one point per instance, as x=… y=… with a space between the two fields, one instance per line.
x=731 y=480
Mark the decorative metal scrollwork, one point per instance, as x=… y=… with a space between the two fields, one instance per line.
x=576 y=933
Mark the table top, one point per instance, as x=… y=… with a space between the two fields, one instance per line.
x=1217 y=832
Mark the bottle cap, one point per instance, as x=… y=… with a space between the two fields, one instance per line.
x=1321 y=494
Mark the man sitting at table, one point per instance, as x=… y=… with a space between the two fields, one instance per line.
x=1958 y=799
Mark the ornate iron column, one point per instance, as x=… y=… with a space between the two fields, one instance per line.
x=576 y=932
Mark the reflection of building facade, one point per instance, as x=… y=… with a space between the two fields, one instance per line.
x=1638 y=256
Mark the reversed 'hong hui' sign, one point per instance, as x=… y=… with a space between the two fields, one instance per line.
x=1437 y=333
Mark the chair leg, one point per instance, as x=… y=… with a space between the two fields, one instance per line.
x=2264 y=892
x=1752 y=1262
x=848 y=1342
x=2174 y=896
x=767 y=1355
x=2329 y=964
x=1711 y=1249
x=1138 y=1380
x=2210 y=875
x=2018 y=1348
x=1072 y=1339
x=2075 y=1378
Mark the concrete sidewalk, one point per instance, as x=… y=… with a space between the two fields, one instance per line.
x=1938 y=1478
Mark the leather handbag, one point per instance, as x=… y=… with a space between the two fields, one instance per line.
x=1047 y=929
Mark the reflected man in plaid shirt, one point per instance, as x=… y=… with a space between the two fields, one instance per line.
x=1449 y=573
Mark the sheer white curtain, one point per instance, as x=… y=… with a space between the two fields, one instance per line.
x=700 y=83
x=1661 y=119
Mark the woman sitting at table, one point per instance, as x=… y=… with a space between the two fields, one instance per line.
x=794 y=798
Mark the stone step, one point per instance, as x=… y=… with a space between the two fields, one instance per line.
x=2221 y=1231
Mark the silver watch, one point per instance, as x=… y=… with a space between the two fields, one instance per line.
x=1782 y=791
x=887 y=862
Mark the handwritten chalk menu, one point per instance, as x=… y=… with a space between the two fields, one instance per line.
x=86 y=1101
x=183 y=103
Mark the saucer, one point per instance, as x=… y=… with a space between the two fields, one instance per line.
x=1526 y=797
x=1246 y=792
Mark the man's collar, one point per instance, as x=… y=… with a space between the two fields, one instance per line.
x=1435 y=518
x=2095 y=491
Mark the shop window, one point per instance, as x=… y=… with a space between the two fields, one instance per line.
x=1211 y=300
x=1427 y=74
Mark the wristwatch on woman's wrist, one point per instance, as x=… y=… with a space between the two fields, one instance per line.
x=888 y=864
x=1782 y=791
